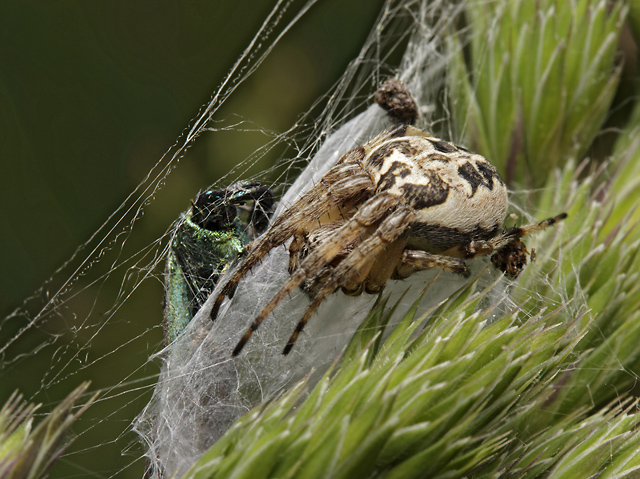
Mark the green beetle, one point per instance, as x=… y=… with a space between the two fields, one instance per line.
x=208 y=237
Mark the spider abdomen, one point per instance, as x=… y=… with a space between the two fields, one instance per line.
x=457 y=196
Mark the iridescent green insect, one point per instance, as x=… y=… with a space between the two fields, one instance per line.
x=209 y=236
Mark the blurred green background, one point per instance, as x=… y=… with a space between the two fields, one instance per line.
x=91 y=96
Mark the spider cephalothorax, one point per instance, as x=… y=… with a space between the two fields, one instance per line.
x=404 y=202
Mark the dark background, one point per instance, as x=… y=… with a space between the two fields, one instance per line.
x=91 y=96
x=93 y=93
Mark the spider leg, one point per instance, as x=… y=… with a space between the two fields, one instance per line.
x=329 y=193
x=295 y=250
x=418 y=260
x=355 y=268
x=371 y=212
x=483 y=248
x=322 y=294
x=302 y=242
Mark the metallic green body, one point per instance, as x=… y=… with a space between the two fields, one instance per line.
x=210 y=236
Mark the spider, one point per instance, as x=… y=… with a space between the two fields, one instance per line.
x=404 y=202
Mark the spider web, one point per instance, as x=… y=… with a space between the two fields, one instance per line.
x=200 y=391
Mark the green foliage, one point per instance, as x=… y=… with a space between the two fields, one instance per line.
x=535 y=389
x=28 y=452
x=531 y=82
x=537 y=382
x=481 y=388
